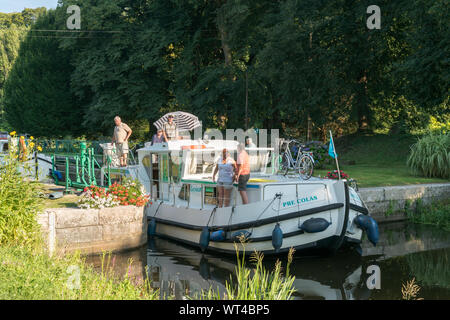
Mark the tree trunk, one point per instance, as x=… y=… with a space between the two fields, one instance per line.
x=362 y=105
x=223 y=36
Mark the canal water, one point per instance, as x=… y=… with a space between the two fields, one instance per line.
x=405 y=251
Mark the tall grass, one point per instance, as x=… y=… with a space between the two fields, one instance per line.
x=410 y=290
x=430 y=156
x=257 y=283
x=19 y=204
x=436 y=213
x=28 y=273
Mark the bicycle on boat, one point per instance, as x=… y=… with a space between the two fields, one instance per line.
x=299 y=161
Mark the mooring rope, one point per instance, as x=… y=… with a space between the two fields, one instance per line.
x=157 y=209
x=210 y=216
x=278 y=195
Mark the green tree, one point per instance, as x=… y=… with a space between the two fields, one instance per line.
x=37 y=97
x=425 y=71
x=10 y=40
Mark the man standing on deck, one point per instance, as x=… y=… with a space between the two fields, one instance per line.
x=243 y=174
x=170 y=129
x=121 y=134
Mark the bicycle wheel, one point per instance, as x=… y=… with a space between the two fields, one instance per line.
x=305 y=167
x=284 y=163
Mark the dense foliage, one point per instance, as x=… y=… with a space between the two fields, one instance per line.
x=13 y=28
x=295 y=60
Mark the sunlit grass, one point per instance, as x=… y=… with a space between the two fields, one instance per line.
x=376 y=160
x=379 y=176
x=28 y=273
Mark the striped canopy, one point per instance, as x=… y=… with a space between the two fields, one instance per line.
x=184 y=121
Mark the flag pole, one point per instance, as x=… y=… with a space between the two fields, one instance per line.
x=335 y=157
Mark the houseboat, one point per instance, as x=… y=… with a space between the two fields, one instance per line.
x=284 y=211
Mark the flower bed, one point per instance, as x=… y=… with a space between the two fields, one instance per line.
x=335 y=175
x=129 y=192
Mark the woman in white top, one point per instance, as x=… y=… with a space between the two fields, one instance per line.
x=227 y=169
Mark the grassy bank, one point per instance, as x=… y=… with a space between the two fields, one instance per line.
x=28 y=273
x=376 y=160
x=26 y=269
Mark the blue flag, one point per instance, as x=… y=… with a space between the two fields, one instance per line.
x=331 y=150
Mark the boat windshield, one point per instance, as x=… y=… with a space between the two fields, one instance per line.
x=201 y=163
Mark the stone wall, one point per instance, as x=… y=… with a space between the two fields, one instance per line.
x=388 y=203
x=94 y=230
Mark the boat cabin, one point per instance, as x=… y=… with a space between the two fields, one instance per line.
x=180 y=172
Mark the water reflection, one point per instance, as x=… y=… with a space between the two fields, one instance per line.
x=404 y=251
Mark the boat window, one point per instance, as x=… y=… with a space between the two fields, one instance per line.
x=163 y=167
x=175 y=166
x=146 y=163
x=201 y=163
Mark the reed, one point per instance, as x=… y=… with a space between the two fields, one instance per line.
x=410 y=290
x=436 y=213
x=430 y=156
x=257 y=283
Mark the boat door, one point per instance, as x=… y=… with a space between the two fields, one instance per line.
x=164 y=170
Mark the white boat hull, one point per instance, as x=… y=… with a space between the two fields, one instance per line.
x=331 y=202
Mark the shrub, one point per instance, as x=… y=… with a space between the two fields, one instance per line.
x=19 y=203
x=438 y=127
x=430 y=156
